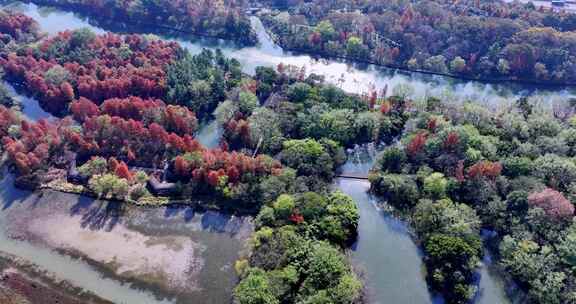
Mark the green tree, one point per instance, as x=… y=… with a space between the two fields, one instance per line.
x=399 y=190
x=308 y=157
x=458 y=65
x=355 y=48
x=265 y=128
x=435 y=185
x=436 y=64
x=284 y=206
x=255 y=288
x=325 y=266
x=247 y=102
x=446 y=217
x=81 y=38
x=326 y=30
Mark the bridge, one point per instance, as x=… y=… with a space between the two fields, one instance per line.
x=358 y=176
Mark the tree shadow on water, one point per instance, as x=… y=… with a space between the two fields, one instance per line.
x=214 y=221
x=188 y=212
x=172 y=210
x=103 y=216
x=82 y=204
x=9 y=194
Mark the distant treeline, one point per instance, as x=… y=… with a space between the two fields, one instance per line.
x=473 y=39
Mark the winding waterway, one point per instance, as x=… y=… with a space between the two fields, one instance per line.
x=385 y=251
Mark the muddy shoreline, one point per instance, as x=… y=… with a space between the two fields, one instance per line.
x=24 y=282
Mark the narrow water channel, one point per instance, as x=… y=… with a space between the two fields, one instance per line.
x=30 y=107
x=386 y=252
x=209 y=134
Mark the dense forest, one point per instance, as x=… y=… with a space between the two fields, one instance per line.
x=129 y=106
x=489 y=40
x=458 y=169
x=219 y=19
x=471 y=39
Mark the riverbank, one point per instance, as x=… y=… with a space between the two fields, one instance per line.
x=23 y=282
x=539 y=83
x=126 y=19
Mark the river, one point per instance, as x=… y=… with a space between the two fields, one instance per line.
x=385 y=250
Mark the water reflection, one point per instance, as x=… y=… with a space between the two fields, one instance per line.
x=209 y=134
x=386 y=252
x=30 y=107
x=160 y=255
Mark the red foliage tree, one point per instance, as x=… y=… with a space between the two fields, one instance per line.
x=373 y=99
x=122 y=171
x=459 y=173
x=181 y=167
x=113 y=164
x=31 y=150
x=486 y=169
x=8 y=118
x=451 y=141
x=296 y=218
x=385 y=107
x=432 y=124
x=67 y=91
x=315 y=38
x=233 y=174
x=83 y=108
x=111 y=74
x=553 y=203
x=416 y=144
x=213 y=178
x=15 y=24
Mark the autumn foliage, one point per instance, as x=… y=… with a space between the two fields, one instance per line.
x=103 y=67
x=451 y=141
x=417 y=143
x=31 y=150
x=210 y=166
x=485 y=169
x=131 y=139
x=8 y=118
x=172 y=118
x=16 y=25
x=553 y=203
x=211 y=18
